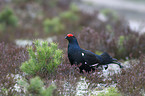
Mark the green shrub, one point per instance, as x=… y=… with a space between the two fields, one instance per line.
x=37 y=88
x=36 y=85
x=42 y=58
x=120 y=45
x=110 y=14
x=73 y=7
x=48 y=91
x=111 y=91
x=53 y=3
x=109 y=28
x=2 y=27
x=8 y=18
x=121 y=40
x=53 y=25
x=71 y=14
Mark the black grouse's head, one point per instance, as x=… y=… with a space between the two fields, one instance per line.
x=71 y=38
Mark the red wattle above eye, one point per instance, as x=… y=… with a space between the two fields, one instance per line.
x=69 y=35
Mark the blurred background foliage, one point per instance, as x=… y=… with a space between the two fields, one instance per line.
x=51 y=20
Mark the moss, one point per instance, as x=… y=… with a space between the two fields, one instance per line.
x=53 y=25
x=8 y=18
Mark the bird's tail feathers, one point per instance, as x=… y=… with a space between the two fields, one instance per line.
x=106 y=58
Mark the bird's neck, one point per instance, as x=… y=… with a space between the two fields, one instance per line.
x=73 y=44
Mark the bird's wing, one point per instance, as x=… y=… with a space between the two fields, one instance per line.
x=70 y=59
x=90 y=57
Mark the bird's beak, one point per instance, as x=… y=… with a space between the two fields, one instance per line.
x=66 y=37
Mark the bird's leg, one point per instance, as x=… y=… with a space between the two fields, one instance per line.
x=81 y=67
x=81 y=71
x=97 y=66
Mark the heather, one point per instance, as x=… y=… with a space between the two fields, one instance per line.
x=11 y=58
x=66 y=78
x=42 y=67
x=132 y=78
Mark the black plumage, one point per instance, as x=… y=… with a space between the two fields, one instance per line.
x=88 y=60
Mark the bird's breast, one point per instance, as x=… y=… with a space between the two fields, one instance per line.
x=75 y=56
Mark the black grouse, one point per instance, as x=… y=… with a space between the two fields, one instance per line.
x=88 y=60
